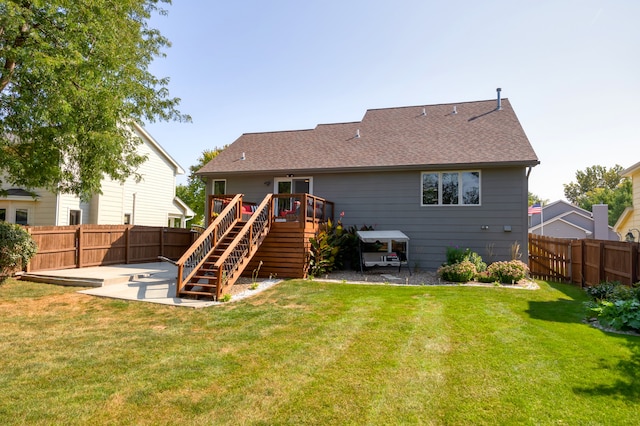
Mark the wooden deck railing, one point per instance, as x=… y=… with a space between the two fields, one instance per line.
x=231 y=263
x=201 y=249
x=301 y=208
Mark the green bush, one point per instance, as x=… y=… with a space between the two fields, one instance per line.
x=349 y=253
x=619 y=314
x=615 y=305
x=508 y=272
x=325 y=247
x=16 y=248
x=602 y=291
x=460 y=272
x=456 y=255
x=613 y=291
x=485 y=277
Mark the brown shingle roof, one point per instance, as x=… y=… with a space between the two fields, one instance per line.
x=476 y=135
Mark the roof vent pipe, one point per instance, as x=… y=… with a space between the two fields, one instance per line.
x=424 y=111
x=455 y=110
x=358 y=133
x=243 y=156
x=499 y=107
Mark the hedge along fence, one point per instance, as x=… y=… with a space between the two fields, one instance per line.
x=79 y=246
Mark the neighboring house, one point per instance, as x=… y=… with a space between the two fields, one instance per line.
x=151 y=201
x=445 y=175
x=564 y=220
x=629 y=220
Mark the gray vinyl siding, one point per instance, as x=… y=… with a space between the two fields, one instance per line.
x=392 y=200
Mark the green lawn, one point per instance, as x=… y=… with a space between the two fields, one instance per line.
x=307 y=352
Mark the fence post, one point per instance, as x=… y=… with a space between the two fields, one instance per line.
x=582 y=264
x=161 y=241
x=79 y=245
x=601 y=272
x=27 y=267
x=127 y=244
x=634 y=263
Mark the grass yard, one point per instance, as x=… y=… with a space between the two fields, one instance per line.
x=307 y=352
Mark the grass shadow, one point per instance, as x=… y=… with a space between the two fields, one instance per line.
x=627 y=386
x=569 y=309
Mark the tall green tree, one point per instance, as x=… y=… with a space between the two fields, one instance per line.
x=534 y=198
x=72 y=74
x=194 y=193
x=599 y=185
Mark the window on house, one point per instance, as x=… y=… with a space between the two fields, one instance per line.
x=74 y=217
x=127 y=218
x=451 y=188
x=3 y=214
x=219 y=187
x=22 y=216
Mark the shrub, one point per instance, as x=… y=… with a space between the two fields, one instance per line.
x=619 y=314
x=485 y=277
x=615 y=305
x=325 y=247
x=459 y=272
x=349 y=253
x=477 y=261
x=456 y=255
x=508 y=272
x=601 y=291
x=612 y=291
x=16 y=248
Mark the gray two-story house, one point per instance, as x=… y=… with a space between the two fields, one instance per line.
x=444 y=175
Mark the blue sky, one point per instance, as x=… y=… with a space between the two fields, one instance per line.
x=570 y=68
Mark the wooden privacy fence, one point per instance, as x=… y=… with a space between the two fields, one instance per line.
x=583 y=262
x=595 y=261
x=64 y=247
x=549 y=258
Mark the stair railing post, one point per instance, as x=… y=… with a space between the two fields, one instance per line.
x=219 y=283
x=179 y=282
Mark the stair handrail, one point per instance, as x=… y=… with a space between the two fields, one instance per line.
x=244 y=245
x=200 y=250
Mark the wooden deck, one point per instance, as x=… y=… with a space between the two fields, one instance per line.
x=285 y=251
x=245 y=239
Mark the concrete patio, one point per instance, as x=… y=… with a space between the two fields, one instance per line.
x=144 y=282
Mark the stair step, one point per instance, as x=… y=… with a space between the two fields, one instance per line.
x=197 y=293
x=197 y=284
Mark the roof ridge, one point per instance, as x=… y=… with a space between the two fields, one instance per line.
x=435 y=105
x=278 y=131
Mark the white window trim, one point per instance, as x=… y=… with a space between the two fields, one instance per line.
x=213 y=185
x=440 y=173
x=291 y=179
x=29 y=214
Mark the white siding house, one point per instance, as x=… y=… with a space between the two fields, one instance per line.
x=150 y=202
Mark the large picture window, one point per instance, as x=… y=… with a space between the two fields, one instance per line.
x=451 y=188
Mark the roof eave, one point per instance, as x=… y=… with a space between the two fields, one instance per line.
x=362 y=169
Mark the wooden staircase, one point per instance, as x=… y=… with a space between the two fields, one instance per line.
x=218 y=257
x=225 y=249
x=204 y=283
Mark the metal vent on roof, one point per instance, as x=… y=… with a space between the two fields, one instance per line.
x=358 y=133
x=455 y=110
x=499 y=106
x=424 y=111
x=243 y=157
